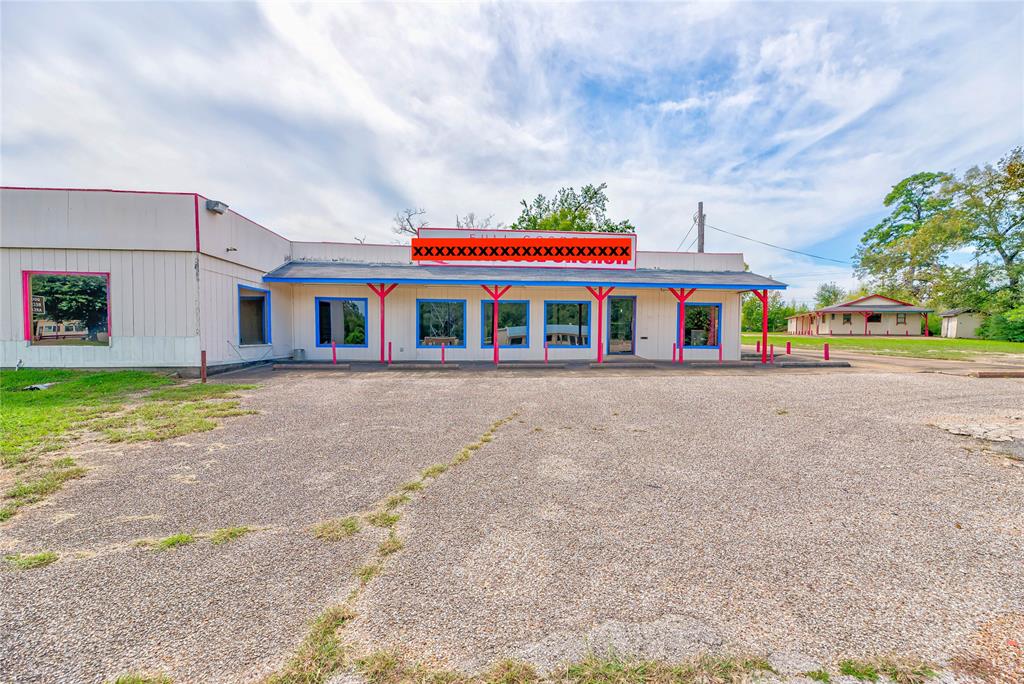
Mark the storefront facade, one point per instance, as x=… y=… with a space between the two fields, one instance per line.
x=175 y=277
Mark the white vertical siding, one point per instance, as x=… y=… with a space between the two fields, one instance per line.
x=151 y=323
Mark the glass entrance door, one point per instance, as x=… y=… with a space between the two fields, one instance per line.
x=621 y=325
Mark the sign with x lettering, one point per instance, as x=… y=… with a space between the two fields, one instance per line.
x=548 y=249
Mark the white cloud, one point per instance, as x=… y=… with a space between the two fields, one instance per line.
x=789 y=121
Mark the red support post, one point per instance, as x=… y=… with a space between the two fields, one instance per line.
x=762 y=295
x=682 y=295
x=497 y=293
x=202 y=366
x=545 y=351
x=382 y=292
x=601 y=293
x=442 y=353
x=334 y=353
x=719 y=353
x=926 y=331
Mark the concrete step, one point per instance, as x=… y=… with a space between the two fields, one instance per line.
x=624 y=364
x=513 y=365
x=417 y=366
x=320 y=366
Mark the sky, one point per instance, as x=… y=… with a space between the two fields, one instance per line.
x=790 y=121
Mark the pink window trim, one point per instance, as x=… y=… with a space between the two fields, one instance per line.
x=26 y=296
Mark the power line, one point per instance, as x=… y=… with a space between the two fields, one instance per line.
x=687 y=233
x=785 y=249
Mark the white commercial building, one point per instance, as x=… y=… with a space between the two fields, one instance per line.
x=108 y=278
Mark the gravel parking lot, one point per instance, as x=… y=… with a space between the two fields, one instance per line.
x=808 y=517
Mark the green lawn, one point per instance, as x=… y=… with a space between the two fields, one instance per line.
x=920 y=347
x=119 y=405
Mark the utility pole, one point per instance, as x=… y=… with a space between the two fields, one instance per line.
x=700 y=226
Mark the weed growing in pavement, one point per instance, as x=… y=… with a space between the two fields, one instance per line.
x=818 y=676
x=28 y=561
x=394 y=501
x=321 y=653
x=39 y=485
x=174 y=541
x=906 y=672
x=382 y=518
x=226 y=534
x=434 y=471
x=162 y=420
x=864 y=671
x=781 y=412
x=511 y=672
x=390 y=545
x=368 y=572
x=413 y=486
x=338 y=528
x=139 y=678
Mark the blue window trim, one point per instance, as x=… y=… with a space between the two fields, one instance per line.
x=718 y=330
x=484 y=304
x=608 y=325
x=465 y=325
x=590 y=340
x=267 y=324
x=366 y=320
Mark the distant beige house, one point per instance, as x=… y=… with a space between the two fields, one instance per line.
x=866 y=316
x=961 y=323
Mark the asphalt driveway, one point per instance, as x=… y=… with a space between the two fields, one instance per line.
x=806 y=516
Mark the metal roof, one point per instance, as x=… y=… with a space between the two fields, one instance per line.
x=345 y=272
x=957 y=312
x=864 y=308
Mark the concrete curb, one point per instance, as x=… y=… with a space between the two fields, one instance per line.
x=313 y=366
x=998 y=374
x=423 y=367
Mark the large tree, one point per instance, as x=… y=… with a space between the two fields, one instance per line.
x=569 y=210
x=904 y=252
x=828 y=294
x=987 y=217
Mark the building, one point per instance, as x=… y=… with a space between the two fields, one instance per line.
x=166 y=279
x=961 y=323
x=870 y=315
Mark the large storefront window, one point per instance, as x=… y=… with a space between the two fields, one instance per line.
x=703 y=325
x=513 y=324
x=68 y=309
x=253 y=315
x=440 y=321
x=340 y=320
x=567 y=324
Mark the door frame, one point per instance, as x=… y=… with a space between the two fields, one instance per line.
x=608 y=327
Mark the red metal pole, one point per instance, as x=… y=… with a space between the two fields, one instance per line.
x=673 y=352
x=442 y=353
x=202 y=366
x=758 y=348
x=494 y=328
x=927 y=333
x=545 y=351
x=389 y=352
x=826 y=351
x=773 y=353
x=682 y=329
x=334 y=353
x=719 y=352
x=764 y=326
x=381 y=296
x=789 y=349
x=600 y=325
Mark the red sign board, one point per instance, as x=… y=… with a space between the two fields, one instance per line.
x=471 y=247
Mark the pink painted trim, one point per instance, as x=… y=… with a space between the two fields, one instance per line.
x=133 y=192
x=26 y=297
x=196 y=198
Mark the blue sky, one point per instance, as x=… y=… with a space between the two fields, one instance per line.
x=790 y=121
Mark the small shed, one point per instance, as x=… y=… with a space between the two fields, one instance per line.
x=961 y=323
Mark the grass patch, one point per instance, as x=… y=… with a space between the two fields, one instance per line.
x=382 y=518
x=394 y=501
x=198 y=392
x=461 y=457
x=368 y=572
x=162 y=420
x=819 y=676
x=38 y=484
x=906 y=672
x=28 y=561
x=614 y=669
x=412 y=486
x=919 y=347
x=390 y=545
x=487 y=437
x=137 y=678
x=38 y=419
x=388 y=667
x=336 y=529
x=174 y=541
x=864 y=671
x=226 y=534
x=321 y=653
x=434 y=471
x=511 y=672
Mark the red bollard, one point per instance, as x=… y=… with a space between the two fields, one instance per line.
x=545 y=352
x=826 y=351
x=389 y=352
x=772 y=352
x=789 y=348
x=759 y=346
x=334 y=353
x=202 y=365
x=681 y=353
x=908 y=332
x=674 y=352
x=719 y=354
x=442 y=353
